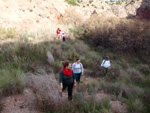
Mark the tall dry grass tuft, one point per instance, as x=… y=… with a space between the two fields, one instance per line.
x=11 y=82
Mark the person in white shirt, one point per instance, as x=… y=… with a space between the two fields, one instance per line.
x=77 y=69
x=63 y=36
x=105 y=65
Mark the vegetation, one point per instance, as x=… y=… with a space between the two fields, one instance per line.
x=125 y=79
x=7 y=33
x=71 y=2
x=128 y=80
x=118 y=2
x=90 y=1
x=11 y=81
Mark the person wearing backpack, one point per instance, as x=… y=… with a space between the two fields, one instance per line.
x=105 y=65
x=78 y=70
x=67 y=79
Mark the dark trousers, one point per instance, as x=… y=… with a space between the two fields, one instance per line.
x=105 y=70
x=70 y=87
x=78 y=76
x=64 y=39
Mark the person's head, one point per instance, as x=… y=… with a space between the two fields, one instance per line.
x=78 y=60
x=58 y=29
x=107 y=58
x=66 y=65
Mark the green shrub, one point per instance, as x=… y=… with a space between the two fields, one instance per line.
x=71 y=2
x=111 y=88
x=135 y=75
x=11 y=82
x=118 y=2
x=79 y=97
x=94 y=6
x=106 y=2
x=135 y=106
x=90 y=1
x=93 y=88
x=105 y=103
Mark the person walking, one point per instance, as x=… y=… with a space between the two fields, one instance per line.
x=78 y=70
x=63 y=36
x=67 y=79
x=105 y=65
x=58 y=33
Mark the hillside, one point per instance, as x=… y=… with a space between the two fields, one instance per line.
x=31 y=55
x=30 y=14
x=34 y=14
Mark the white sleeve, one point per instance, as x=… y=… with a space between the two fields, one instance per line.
x=102 y=63
x=82 y=68
x=73 y=67
x=109 y=64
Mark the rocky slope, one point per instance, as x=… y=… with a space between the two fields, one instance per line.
x=144 y=11
x=31 y=14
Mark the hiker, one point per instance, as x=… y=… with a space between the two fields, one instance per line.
x=105 y=65
x=67 y=79
x=78 y=70
x=63 y=36
x=58 y=33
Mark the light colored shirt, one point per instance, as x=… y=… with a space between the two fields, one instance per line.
x=77 y=68
x=105 y=63
x=63 y=34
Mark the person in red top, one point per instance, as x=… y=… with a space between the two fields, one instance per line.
x=58 y=33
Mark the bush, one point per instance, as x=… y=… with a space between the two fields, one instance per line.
x=93 y=88
x=132 y=92
x=111 y=88
x=132 y=40
x=105 y=103
x=71 y=2
x=118 y=2
x=135 y=106
x=7 y=33
x=135 y=75
x=90 y=1
x=144 y=69
x=11 y=82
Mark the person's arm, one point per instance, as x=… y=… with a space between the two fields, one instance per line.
x=109 y=64
x=61 y=79
x=73 y=67
x=102 y=63
x=101 y=66
x=82 y=69
x=74 y=78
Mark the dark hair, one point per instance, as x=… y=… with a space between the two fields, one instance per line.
x=65 y=64
x=77 y=59
x=107 y=57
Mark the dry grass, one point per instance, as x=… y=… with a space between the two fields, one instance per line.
x=11 y=82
